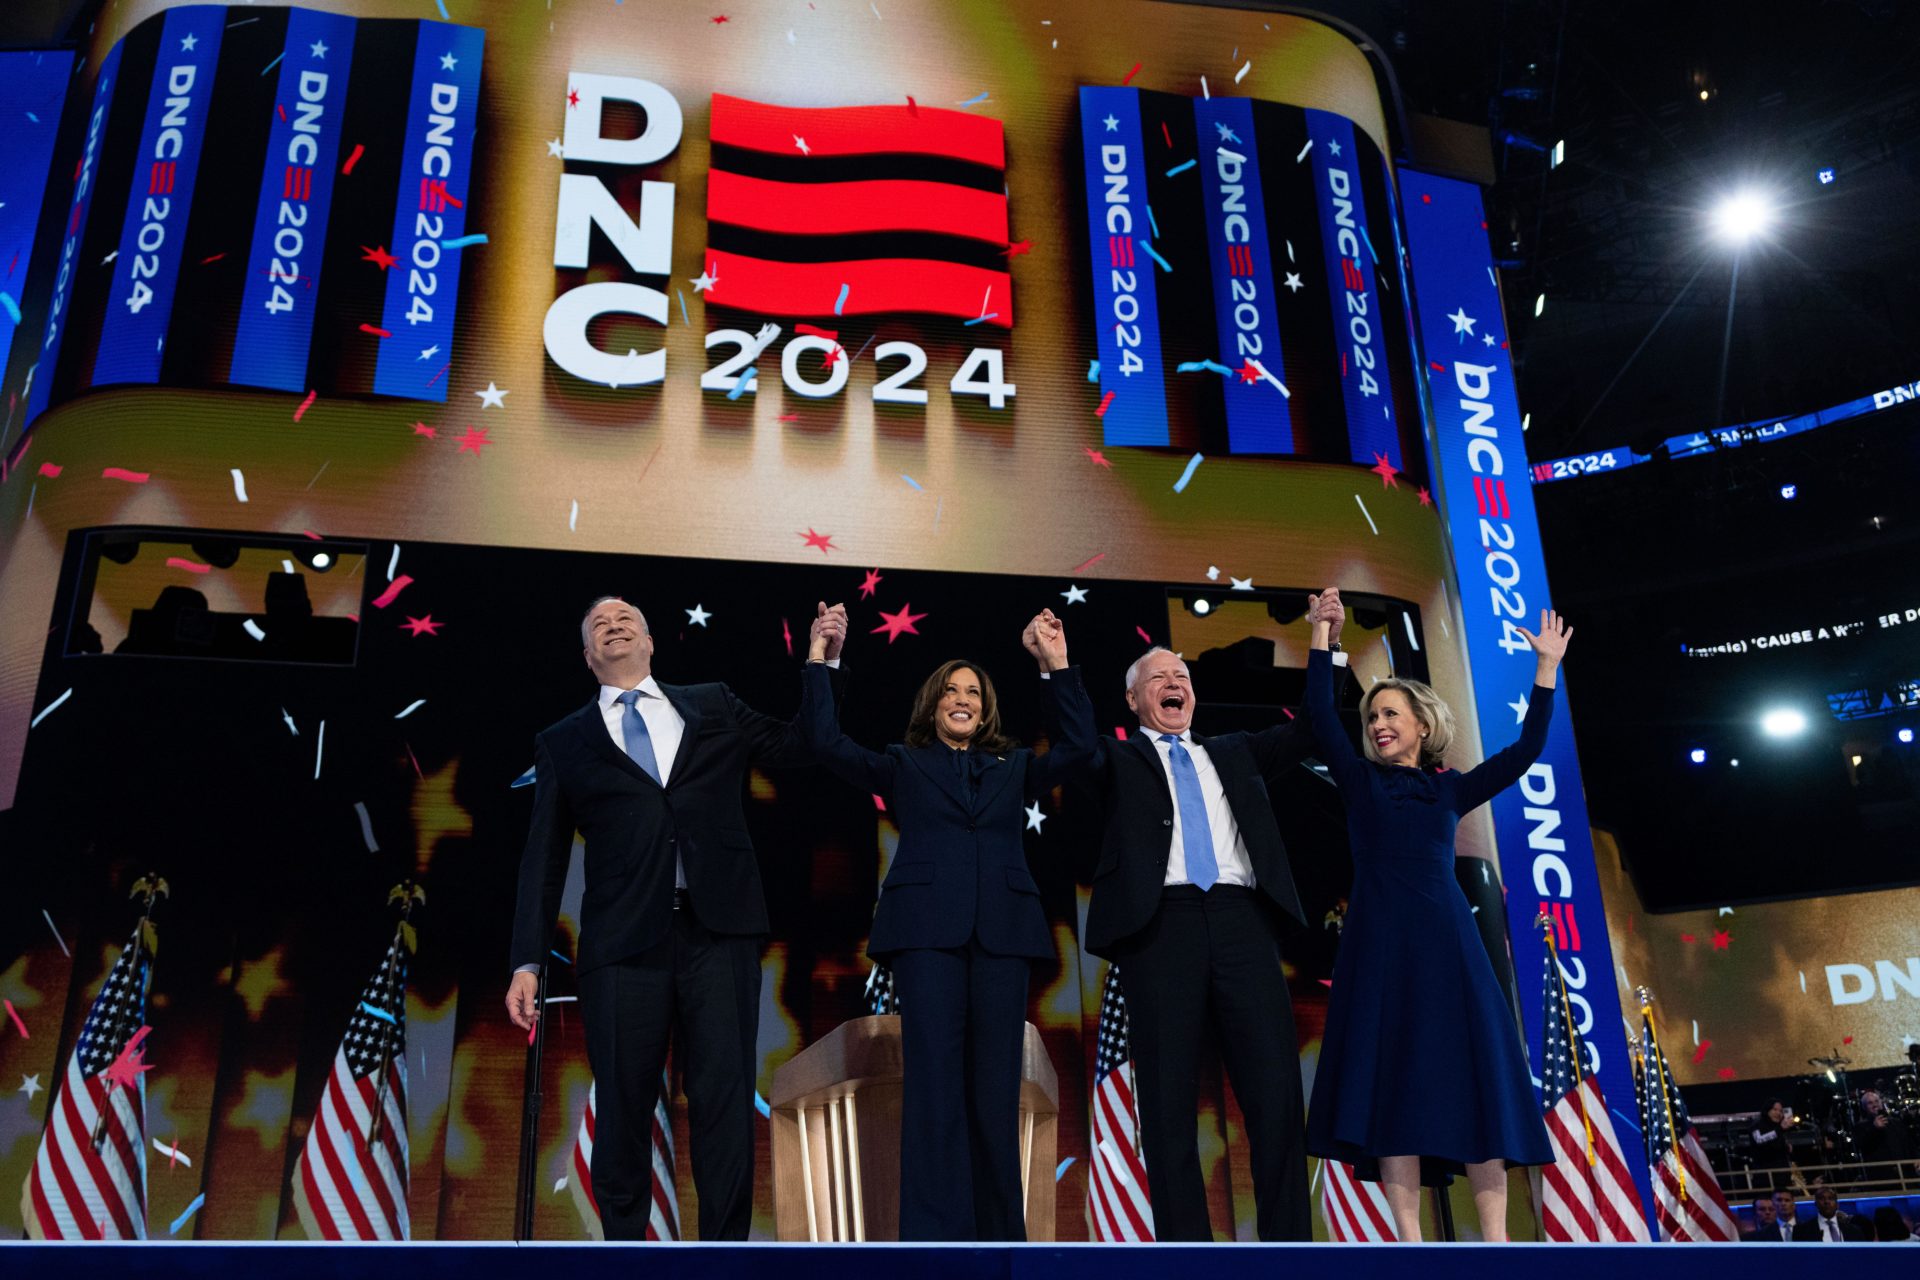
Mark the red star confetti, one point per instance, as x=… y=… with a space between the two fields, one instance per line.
x=1426 y=499
x=573 y=97
x=127 y=1068
x=474 y=439
x=422 y=429
x=719 y=18
x=1385 y=470
x=1726 y=1073
x=1098 y=458
x=824 y=541
x=422 y=626
x=898 y=624
x=380 y=257
x=51 y=470
x=1687 y=938
x=1017 y=248
x=1248 y=373
x=871 y=585
x=1720 y=939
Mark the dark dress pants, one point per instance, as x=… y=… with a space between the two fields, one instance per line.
x=702 y=989
x=1210 y=962
x=963 y=1017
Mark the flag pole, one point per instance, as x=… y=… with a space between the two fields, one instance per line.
x=1660 y=1064
x=530 y=1116
x=408 y=895
x=1545 y=922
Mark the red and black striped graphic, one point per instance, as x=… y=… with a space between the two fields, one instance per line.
x=904 y=207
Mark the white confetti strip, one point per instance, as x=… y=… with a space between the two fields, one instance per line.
x=1803 y=982
x=287 y=565
x=292 y=728
x=1241 y=74
x=56 y=933
x=573 y=517
x=252 y=628
x=366 y=826
x=1412 y=639
x=172 y=1152
x=319 y=748
x=1368 y=514
x=239 y=485
x=393 y=561
x=412 y=707
x=559 y=1186
x=49 y=709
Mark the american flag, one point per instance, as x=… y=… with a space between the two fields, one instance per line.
x=79 y=1188
x=1117 y=1199
x=881 y=996
x=663 y=1219
x=1687 y=1198
x=1587 y=1193
x=1355 y=1211
x=350 y=1180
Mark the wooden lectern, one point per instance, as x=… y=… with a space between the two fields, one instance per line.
x=836 y=1135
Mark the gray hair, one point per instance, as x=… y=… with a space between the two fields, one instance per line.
x=602 y=600
x=1133 y=672
x=1434 y=715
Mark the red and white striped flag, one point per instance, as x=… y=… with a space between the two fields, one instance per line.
x=1355 y=1211
x=350 y=1180
x=1687 y=1199
x=663 y=1219
x=1117 y=1200
x=1587 y=1193
x=89 y=1179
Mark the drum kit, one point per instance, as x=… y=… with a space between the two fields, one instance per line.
x=1832 y=1108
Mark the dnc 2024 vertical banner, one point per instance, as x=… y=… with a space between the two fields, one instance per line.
x=1546 y=850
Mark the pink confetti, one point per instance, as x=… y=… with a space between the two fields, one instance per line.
x=880 y=804
x=121 y=473
x=311 y=534
x=15 y=1015
x=305 y=405
x=176 y=562
x=378 y=333
x=1143 y=634
x=392 y=592
x=1120 y=732
x=786 y=633
x=51 y=470
x=354 y=159
x=1089 y=564
x=1105 y=401
x=1130 y=75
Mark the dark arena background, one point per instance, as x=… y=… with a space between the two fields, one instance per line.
x=351 y=350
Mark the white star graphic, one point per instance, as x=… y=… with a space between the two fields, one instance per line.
x=1487 y=338
x=448 y=61
x=704 y=281
x=187 y=42
x=801 y=143
x=318 y=49
x=1213 y=573
x=1034 y=816
x=1519 y=706
x=428 y=353
x=492 y=398
x=1226 y=134
x=1113 y=125
x=697 y=616
x=1462 y=322
x=553 y=149
x=1293 y=282
x=1241 y=584
x=1074 y=595
x=1724 y=911
x=1334 y=147
x=30 y=1085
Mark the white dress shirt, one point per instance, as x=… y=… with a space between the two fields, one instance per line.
x=664 y=726
x=1229 y=850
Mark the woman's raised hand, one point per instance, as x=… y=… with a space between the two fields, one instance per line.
x=1046 y=639
x=1551 y=642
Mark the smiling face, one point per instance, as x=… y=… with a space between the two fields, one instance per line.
x=617 y=642
x=1162 y=693
x=1776 y=1113
x=1393 y=731
x=956 y=716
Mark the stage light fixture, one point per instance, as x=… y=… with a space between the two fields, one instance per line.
x=1698 y=755
x=321 y=560
x=1202 y=606
x=1735 y=762
x=1740 y=217
x=1783 y=722
x=1789 y=491
x=1905 y=735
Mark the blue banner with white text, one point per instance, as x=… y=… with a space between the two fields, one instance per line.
x=1133 y=392
x=1350 y=259
x=1545 y=846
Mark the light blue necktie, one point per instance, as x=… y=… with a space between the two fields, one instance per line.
x=633 y=728
x=1202 y=868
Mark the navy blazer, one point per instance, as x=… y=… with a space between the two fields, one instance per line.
x=633 y=826
x=961 y=866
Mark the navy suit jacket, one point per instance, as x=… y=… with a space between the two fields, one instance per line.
x=633 y=826
x=961 y=866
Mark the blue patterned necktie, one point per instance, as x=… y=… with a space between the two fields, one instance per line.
x=1195 y=834
x=633 y=728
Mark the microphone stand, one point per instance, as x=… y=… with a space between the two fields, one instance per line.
x=530 y=1116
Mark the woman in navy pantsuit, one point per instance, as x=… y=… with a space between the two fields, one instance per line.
x=960 y=923
x=1422 y=1071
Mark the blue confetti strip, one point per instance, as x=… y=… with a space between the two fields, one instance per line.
x=1062 y=1167
x=381 y=1014
x=557 y=956
x=760 y=1105
x=683 y=308
x=1369 y=242
x=1181 y=168
x=463 y=241
x=910 y=480
x=1093 y=371
x=841 y=301
x=1193 y=465
x=443 y=10
x=1153 y=222
x=743 y=384
x=524 y=780
x=1202 y=366
x=1164 y=264
x=271 y=65
x=991 y=315
x=975 y=101
x=192 y=1209
x=1623 y=1119
x=13 y=308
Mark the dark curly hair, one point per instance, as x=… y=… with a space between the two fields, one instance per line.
x=920 y=725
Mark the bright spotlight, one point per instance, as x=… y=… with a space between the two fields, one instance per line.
x=1698 y=755
x=1783 y=722
x=1905 y=735
x=1735 y=763
x=1742 y=216
x=1202 y=606
x=321 y=559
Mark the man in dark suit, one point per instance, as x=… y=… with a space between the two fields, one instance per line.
x=1766 y=1230
x=651 y=775
x=1187 y=895
x=1828 y=1224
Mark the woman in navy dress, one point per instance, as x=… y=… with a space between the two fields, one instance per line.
x=960 y=923
x=1422 y=1069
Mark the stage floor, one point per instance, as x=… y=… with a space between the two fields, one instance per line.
x=464 y=1261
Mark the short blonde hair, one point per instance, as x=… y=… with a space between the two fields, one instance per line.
x=1428 y=708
